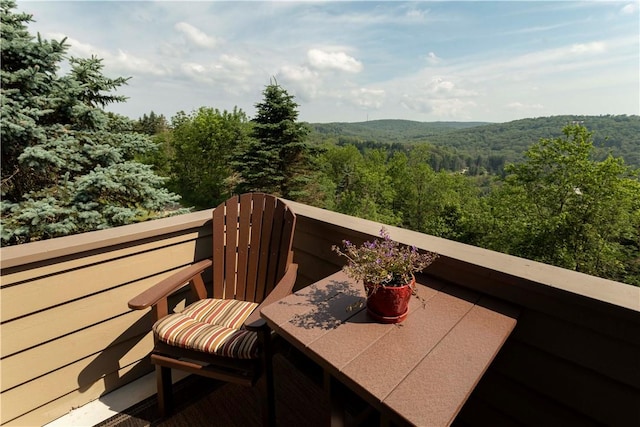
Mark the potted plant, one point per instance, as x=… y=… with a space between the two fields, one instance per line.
x=387 y=270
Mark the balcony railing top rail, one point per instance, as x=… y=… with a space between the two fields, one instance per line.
x=544 y=275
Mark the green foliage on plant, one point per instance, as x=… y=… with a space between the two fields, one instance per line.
x=383 y=262
x=563 y=207
x=203 y=144
x=401 y=189
x=363 y=187
x=151 y=124
x=67 y=165
x=440 y=203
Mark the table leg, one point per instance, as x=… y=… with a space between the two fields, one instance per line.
x=384 y=421
x=337 y=405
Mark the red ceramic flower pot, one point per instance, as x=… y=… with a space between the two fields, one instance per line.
x=389 y=304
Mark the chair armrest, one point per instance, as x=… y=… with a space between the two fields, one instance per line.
x=168 y=286
x=284 y=287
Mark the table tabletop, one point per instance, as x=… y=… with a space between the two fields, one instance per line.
x=418 y=372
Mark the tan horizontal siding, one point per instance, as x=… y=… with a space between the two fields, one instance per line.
x=52 y=290
x=609 y=319
x=501 y=401
x=46 y=269
x=512 y=269
x=607 y=355
x=312 y=249
x=67 y=334
x=44 y=326
x=37 y=361
x=78 y=376
x=587 y=392
x=63 y=404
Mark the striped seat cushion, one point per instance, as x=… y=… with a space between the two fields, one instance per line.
x=211 y=326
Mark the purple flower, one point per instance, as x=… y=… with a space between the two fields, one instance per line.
x=383 y=261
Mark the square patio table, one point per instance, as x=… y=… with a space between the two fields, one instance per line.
x=418 y=372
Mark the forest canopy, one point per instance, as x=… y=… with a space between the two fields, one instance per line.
x=565 y=200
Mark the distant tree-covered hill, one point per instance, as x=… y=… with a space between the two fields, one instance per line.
x=390 y=131
x=487 y=143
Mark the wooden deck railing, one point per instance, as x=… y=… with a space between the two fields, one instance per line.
x=68 y=336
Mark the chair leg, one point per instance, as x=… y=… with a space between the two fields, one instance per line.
x=165 y=394
x=266 y=381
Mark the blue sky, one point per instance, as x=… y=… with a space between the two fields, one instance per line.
x=353 y=61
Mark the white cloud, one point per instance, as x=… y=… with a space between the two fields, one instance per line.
x=196 y=36
x=440 y=86
x=298 y=73
x=630 y=9
x=433 y=58
x=315 y=78
x=322 y=60
x=443 y=87
x=80 y=49
x=377 y=14
x=441 y=96
x=131 y=63
x=546 y=63
x=231 y=73
x=368 y=98
x=420 y=105
x=536 y=60
x=586 y=48
x=451 y=108
x=414 y=14
x=235 y=63
x=197 y=71
x=305 y=83
x=523 y=107
x=120 y=61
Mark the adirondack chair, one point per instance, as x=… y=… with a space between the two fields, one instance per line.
x=223 y=337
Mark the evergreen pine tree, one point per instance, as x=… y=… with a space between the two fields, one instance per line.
x=67 y=165
x=278 y=157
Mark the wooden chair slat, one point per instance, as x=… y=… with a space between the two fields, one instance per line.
x=244 y=287
x=274 y=247
x=231 y=247
x=218 y=251
x=265 y=249
x=285 y=258
x=254 y=250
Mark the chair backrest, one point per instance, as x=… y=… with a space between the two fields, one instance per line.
x=252 y=239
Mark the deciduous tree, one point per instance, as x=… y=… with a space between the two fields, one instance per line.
x=562 y=207
x=204 y=143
